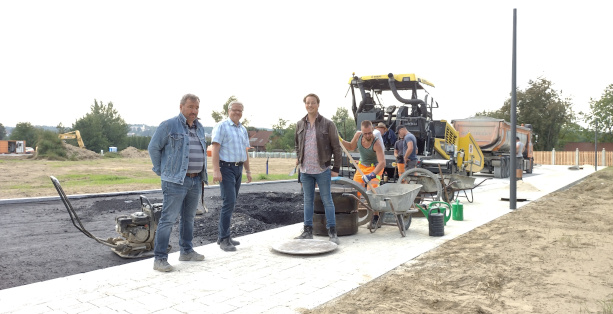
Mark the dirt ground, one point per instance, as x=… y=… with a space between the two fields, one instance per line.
x=39 y=241
x=553 y=255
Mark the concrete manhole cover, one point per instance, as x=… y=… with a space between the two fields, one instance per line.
x=305 y=247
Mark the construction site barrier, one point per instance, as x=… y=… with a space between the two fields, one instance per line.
x=272 y=155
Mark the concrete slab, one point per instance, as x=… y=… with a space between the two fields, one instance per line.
x=255 y=279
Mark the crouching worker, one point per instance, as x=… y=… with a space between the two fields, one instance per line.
x=372 y=161
x=316 y=141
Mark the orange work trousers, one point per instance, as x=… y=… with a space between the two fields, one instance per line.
x=366 y=170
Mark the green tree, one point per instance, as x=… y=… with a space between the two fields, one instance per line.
x=139 y=142
x=24 y=131
x=282 y=136
x=49 y=146
x=61 y=128
x=2 y=132
x=571 y=133
x=345 y=124
x=498 y=114
x=102 y=127
x=541 y=106
x=602 y=111
x=220 y=115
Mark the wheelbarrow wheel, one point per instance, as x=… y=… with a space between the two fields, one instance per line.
x=407 y=218
x=448 y=194
x=364 y=215
x=422 y=176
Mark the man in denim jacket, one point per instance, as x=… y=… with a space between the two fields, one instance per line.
x=178 y=153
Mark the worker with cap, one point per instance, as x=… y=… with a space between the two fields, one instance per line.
x=388 y=136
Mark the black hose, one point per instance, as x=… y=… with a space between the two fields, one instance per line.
x=73 y=214
x=392 y=83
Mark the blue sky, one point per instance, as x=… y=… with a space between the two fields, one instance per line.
x=58 y=56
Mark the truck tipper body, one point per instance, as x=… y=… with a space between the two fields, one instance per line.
x=494 y=138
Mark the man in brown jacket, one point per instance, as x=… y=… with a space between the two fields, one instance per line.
x=316 y=141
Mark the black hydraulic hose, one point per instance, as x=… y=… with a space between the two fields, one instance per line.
x=354 y=107
x=73 y=214
x=363 y=93
x=392 y=83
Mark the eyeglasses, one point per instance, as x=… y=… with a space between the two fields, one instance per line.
x=236 y=110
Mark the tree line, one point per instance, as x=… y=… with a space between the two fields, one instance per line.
x=539 y=104
x=552 y=116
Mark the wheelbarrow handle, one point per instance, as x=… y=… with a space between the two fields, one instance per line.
x=359 y=200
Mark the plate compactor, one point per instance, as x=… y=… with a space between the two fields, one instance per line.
x=137 y=230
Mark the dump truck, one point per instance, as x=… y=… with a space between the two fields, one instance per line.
x=494 y=138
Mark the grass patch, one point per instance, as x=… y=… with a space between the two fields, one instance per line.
x=75 y=180
x=112 y=155
x=269 y=177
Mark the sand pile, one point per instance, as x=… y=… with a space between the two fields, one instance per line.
x=79 y=153
x=131 y=152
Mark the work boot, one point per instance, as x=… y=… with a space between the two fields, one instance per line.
x=226 y=245
x=192 y=256
x=162 y=265
x=375 y=222
x=234 y=242
x=307 y=233
x=332 y=235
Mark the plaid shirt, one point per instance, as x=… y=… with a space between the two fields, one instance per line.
x=233 y=140
x=310 y=164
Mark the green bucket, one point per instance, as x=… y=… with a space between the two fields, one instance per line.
x=457 y=211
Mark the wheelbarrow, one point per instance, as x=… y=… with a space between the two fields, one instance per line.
x=392 y=198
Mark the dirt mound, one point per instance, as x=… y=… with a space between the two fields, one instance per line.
x=131 y=152
x=79 y=153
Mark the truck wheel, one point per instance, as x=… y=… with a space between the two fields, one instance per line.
x=417 y=175
x=497 y=172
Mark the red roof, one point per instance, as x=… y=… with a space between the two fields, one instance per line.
x=260 y=138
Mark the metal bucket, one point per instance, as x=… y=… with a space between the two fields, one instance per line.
x=436 y=222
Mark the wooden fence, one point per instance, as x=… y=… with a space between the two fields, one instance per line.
x=573 y=158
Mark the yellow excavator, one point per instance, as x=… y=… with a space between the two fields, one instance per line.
x=73 y=135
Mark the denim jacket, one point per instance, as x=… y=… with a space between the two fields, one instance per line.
x=169 y=149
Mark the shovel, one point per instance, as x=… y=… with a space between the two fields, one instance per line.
x=291 y=173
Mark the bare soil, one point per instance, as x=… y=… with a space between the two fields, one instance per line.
x=553 y=255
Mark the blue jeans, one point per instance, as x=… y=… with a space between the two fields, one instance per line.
x=323 y=181
x=230 y=184
x=183 y=200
